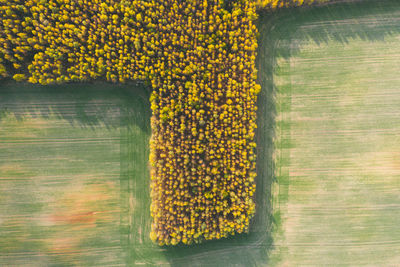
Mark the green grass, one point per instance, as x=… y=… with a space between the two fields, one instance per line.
x=70 y=157
x=335 y=77
x=74 y=179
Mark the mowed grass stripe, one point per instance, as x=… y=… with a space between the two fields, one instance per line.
x=343 y=201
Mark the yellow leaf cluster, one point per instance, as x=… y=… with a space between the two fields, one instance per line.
x=56 y=41
x=204 y=112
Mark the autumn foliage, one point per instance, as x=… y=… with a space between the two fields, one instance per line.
x=57 y=41
x=199 y=57
x=202 y=147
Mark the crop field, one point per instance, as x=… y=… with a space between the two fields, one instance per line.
x=74 y=171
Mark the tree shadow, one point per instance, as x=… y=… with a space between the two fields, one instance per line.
x=342 y=22
x=81 y=104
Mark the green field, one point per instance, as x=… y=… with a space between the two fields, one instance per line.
x=74 y=179
x=70 y=157
x=337 y=91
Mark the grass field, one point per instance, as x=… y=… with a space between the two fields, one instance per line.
x=335 y=76
x=74 y=180
x=67 y=173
